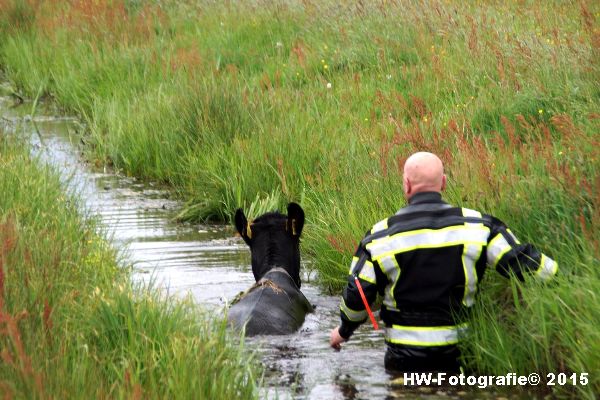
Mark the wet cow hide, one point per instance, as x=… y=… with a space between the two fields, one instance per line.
x=274 y=305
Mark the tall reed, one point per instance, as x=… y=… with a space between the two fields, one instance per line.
x=320 y=102
x=71 y=325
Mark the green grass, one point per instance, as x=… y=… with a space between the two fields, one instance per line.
x=231 y=106
x=71 y=325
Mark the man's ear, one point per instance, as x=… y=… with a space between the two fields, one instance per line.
x=295 y=222
x=241 y=224
x=406 y=186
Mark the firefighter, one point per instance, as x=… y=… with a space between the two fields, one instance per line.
x=426 y=262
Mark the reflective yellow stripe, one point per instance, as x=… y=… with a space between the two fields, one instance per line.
x=391 y=269
x=381 y=225
x=428 y=238
x=368 y=273
x=497 y=248
x=353 y=264
x=513 y=236
x=548 y=268
x=471 y=254
x=425 y=335
x=351 y=314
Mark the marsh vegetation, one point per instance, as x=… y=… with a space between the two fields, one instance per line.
x=259 y=103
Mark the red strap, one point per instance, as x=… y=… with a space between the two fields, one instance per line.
x=364 y=299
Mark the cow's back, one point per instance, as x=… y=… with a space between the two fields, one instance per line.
x=274 y=306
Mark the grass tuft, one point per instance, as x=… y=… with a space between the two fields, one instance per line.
x=71 y=325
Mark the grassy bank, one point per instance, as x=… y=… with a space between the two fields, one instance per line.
x=255 y=104
x=70 y=324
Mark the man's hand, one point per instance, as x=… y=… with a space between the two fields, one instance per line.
x=335 y=340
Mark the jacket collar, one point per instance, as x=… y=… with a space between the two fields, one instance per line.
x=426 y=197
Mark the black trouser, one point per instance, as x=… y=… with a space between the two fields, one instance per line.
x=402 y=358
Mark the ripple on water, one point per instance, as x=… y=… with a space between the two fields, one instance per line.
x=212 y=266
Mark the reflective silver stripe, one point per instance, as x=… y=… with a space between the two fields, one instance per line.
x=467 y=212
x=547 y=269
x=425 y=335
x=471 y=254
x=497 y=248
x=381 y=225
x=391 y=269
x=351 y=314
x=428 y=238
x=368 y=273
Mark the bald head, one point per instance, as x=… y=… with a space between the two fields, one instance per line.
x=423 y=172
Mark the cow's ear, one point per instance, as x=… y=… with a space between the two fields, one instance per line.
x=295 y=221
x=242 y=226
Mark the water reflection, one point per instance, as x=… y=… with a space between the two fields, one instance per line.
x=282 y=369
x=346 y=387
x=210 y=264
x=204 y=261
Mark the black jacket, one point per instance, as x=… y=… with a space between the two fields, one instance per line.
x=426 y=262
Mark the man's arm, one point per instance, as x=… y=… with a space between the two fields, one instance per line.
x=507 y=254
x=352 y=308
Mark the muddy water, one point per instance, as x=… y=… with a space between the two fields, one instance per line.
x=210 y=264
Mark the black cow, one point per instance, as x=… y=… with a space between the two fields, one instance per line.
x=274 y=305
